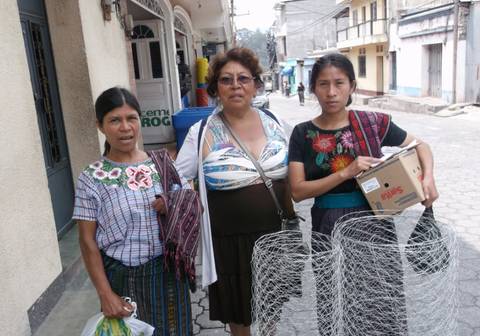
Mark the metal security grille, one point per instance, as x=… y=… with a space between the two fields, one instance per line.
x=44 y=99
x=435 y=70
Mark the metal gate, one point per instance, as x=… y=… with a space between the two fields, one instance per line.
x=49 y=115
x=435 y=70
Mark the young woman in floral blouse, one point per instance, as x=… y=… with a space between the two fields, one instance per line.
x=116 y=211
x=325 y=154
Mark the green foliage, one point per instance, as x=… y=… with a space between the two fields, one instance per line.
x=255 y=40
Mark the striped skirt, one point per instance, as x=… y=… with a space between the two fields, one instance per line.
x=162 y=300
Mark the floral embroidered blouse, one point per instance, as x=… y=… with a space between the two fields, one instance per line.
x=324 y=152
x=118 y=197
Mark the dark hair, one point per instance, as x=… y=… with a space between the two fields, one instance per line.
x=111 y=99
x=242 y=55
x=336 y=60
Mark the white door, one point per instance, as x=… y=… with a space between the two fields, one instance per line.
x=153 y=81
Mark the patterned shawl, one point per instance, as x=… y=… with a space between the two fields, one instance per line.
x=368 y=129
x=180 y=225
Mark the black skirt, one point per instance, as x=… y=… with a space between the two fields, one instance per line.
x=238 y=219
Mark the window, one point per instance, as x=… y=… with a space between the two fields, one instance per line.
x=142 y=31
x=373 y=11
x=135 y=61
x=362 y=66
x=156 y=60
x=355 y=17
x=364 y=14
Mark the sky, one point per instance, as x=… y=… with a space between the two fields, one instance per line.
x=261 y=15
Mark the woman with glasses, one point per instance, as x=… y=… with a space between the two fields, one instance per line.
x=238 y=206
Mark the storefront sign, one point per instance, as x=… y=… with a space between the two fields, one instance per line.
x=209 y=50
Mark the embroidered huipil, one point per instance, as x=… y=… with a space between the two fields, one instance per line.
x=118 y=197
x=228 y=167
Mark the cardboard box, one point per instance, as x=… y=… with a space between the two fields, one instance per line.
x=393 y=185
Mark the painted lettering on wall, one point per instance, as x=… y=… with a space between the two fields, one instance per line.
x=156 y=118
x=391 y=192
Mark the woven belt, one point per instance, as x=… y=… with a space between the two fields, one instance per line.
x=337 y=201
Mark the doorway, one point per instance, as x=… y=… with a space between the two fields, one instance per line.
x=435 y=70
x=153 y=81
x=380 y=75
x=49 y=114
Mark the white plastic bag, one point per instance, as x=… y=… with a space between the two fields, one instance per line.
x=92 y=324
x=137 y=327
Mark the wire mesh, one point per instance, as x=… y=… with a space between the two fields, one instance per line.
x=369 y=278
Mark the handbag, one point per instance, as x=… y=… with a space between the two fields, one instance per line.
x=426 y=250
x=292 y=223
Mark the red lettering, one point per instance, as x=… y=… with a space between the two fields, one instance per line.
x=420 y=178
x=391 y=192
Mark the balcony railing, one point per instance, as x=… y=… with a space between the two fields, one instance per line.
x=367 y=28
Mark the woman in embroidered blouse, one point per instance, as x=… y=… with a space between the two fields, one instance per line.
x=238 y=207
x=116 y=211
x=324 y=155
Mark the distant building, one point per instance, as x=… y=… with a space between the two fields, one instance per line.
x=304 y=27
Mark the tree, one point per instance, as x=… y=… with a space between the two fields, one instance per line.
x=256 y=41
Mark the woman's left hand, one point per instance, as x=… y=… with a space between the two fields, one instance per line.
x=430 y=191
x=159 y=206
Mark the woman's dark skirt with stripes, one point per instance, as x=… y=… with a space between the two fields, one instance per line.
x=162 y=300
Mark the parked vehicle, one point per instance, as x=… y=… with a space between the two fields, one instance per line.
x=261 y=99
x=268 y=86
x=267 y=80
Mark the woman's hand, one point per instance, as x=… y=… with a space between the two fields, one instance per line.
x=430 y=191
x=361 y=163
x=159 y=206
x=114 y=306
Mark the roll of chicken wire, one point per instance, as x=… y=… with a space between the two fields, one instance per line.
x=376 y=275
x=398 y=275
x=286 y=267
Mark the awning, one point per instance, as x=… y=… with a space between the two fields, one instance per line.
x=287 y=71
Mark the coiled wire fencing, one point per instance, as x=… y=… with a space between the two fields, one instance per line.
x=376 y=275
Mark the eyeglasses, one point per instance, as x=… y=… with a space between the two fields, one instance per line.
x=244 y=80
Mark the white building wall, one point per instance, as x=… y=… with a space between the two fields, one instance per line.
x=413 y=63
x=30 y=259
x=105 y=51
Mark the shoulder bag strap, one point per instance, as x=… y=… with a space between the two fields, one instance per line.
x=266 y=180
x=270 y=114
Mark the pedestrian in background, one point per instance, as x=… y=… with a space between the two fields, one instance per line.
x=287 y=89
x=119 y=233
x=238 y=207
x=325 y=154
x=301 y=93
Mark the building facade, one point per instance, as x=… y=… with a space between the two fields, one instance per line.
x=422 y=50
x=367 y=41
x=302 y=28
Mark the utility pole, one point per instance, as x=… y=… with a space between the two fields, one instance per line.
x=455 y=44
x=232 y=14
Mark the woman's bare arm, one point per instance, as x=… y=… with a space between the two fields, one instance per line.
x=112 y=304
x=426 y=159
